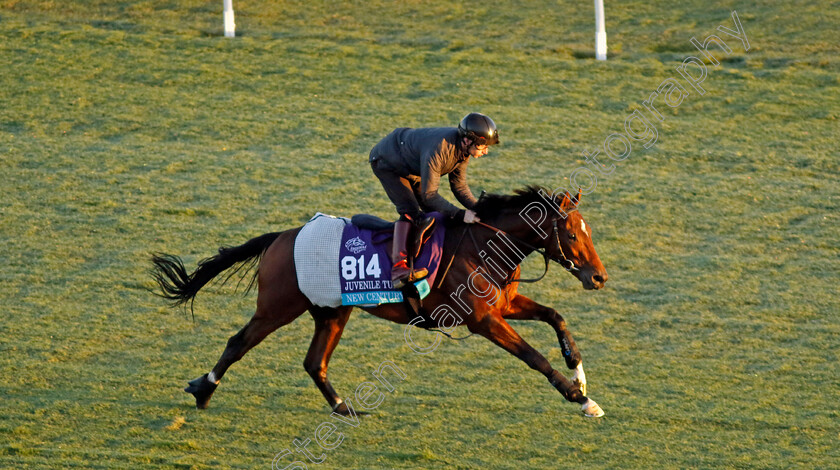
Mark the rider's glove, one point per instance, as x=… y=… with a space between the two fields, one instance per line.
x=470 y=217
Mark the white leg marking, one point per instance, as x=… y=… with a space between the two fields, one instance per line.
x=212 y=377
x=580 y=378
x=579 y=375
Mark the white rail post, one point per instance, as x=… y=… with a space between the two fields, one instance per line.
x=600 y=31
x=230 y=26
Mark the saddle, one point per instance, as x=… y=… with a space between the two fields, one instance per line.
x=376 y=224
x=371 y=222
x=411 y=296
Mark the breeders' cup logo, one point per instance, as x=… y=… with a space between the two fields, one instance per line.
x=356 y=245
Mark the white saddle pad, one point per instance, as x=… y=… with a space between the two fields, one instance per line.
x=316 y=259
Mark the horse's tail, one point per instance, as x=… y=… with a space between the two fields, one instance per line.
x=180 y=287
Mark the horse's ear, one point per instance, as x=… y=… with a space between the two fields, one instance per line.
x=570 y=203
x=567 y=203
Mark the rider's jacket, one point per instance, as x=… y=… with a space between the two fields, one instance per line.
x=427 y=153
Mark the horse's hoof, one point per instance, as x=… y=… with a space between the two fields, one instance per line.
x=202 y=389
x=341 y=409
x=591 y=409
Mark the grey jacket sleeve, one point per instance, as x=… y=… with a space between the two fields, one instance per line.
x=458 y=184
x=430 y=182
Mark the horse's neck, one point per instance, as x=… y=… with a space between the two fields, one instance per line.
x=498 y=252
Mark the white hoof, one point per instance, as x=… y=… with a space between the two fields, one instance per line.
x=591 y=409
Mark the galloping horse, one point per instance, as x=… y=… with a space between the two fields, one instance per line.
x=481 y=277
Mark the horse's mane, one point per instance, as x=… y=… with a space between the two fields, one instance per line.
x=492 y=204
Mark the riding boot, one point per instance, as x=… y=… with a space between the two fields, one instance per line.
x=401 y=272
x=399 y=254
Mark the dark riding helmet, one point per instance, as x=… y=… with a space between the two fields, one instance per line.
x=479 y=128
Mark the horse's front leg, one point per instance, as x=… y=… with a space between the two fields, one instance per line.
x=523 y=308
x=497 y=330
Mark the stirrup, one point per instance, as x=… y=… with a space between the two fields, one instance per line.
x=406 y=274
x=418 y=274
x=413 y=276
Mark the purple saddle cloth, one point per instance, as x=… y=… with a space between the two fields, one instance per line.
x=365 y=268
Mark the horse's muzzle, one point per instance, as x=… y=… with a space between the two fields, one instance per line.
x=594 y=281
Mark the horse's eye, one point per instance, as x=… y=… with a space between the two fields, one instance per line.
x=572 y=237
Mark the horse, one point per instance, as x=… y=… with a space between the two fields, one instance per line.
x=481 y=277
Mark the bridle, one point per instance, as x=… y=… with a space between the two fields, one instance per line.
x=563 y=261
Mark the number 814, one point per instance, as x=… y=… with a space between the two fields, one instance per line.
x=353 y=268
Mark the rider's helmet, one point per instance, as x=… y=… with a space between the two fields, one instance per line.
x=479 y=128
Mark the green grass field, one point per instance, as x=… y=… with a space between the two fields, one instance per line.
x=134 y=127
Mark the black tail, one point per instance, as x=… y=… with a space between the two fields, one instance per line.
x=180 y=287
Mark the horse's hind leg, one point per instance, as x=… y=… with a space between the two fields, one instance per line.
x=523 y=308
x=279 y=302
x=329 y=324
x=261 y=325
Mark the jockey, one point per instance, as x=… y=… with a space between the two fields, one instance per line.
x=409 y=164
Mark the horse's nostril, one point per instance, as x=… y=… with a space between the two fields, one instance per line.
x=599 y=279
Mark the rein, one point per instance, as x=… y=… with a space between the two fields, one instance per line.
x=565 y=262
x=446 y=271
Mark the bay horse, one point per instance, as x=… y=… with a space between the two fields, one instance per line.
x=480 y=277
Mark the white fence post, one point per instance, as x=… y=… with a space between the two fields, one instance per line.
x=230 y=26
x=600 y=31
